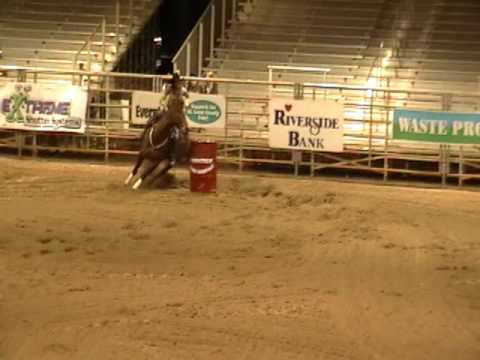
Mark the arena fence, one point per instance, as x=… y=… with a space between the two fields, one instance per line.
x=368 y=144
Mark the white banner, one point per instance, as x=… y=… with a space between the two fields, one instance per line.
x=41 y=107
x=206 y=111
x=314 y=125
x=202 y=110
x=144 y=104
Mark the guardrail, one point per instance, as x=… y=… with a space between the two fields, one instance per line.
x=368 y=144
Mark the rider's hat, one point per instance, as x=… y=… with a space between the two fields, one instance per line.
x=175 y=77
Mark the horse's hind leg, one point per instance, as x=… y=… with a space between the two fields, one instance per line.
x=166 y=167
x=135 y=169
x=153 y=165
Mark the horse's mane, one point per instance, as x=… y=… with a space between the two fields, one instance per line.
x=161 y=121
x=166 y=119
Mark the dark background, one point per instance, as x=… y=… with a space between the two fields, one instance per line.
x=173 y=21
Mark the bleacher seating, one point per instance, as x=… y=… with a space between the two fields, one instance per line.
x=430 y=44
x=50 y=34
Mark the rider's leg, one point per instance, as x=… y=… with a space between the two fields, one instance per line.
x=174 y=137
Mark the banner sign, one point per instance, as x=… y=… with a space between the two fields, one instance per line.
x=315 y=125
x=144 y=105
x=206 y=111
x=40 y=107
x=202 y=110
x=437 y=127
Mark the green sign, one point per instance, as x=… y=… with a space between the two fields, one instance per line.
x=437 y=127
x=203 y=112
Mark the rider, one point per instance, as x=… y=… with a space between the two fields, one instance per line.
x=173 y=99
x=172 y=92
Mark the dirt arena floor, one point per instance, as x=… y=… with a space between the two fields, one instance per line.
x=270 y=268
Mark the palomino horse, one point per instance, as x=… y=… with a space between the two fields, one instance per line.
x=160 y=145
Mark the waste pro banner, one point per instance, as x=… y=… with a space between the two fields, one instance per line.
x=314 y=125
x=41 y=107
x=436 y=127
x=202 y=110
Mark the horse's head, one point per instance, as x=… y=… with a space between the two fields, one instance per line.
x=176 y=82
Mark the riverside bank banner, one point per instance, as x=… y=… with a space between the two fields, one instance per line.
x=436 y=127
x=314 y=125
x=202 y=110
x=41 y=107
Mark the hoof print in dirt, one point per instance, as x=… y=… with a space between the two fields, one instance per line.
x=86 y=229
x=139 y=236
x=45 y=240
x=45 y=252
x=389 y=246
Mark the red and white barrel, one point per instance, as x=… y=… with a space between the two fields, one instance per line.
x=203 y=167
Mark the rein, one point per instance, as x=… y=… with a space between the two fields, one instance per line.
x=156 y=147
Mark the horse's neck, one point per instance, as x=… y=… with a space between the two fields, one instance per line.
x=176 y=105
x=159 y=131
x=177 y=108
x=172 y=115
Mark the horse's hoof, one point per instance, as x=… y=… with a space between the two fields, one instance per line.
x=129 y=178
x=137 y=184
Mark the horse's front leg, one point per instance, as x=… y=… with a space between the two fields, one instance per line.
x=135 y=168
x=148 y=170
x=163 y=164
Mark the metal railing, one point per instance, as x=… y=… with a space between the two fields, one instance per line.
x=368 y=143
x=101 y=29
x=89 y=42
x=209 y=31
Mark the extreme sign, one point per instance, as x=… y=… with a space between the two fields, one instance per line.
x=43 y=107
x=315 y=125
x=437 y=127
